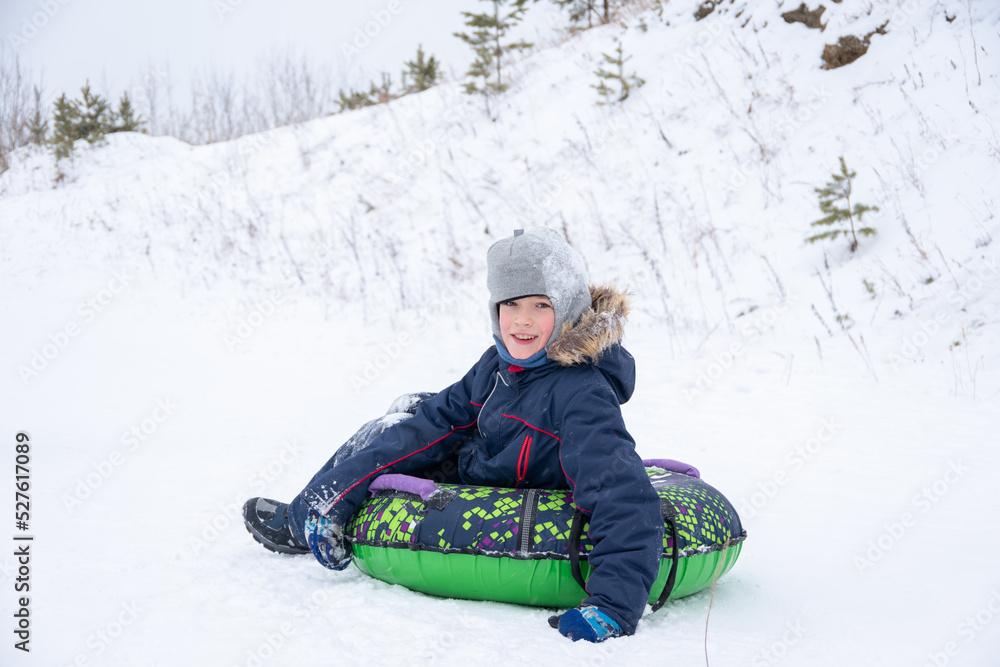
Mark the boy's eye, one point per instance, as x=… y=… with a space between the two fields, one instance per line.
x=515 y=304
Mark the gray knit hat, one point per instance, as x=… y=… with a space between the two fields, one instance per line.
x=537 y=261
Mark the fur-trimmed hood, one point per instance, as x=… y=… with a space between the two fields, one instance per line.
x=600 y=328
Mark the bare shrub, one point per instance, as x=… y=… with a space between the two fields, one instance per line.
x=285 y=88
x=15 y=105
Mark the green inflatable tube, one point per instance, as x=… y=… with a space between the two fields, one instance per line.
x=467 y=542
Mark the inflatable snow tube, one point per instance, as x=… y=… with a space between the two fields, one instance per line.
x=513 y=545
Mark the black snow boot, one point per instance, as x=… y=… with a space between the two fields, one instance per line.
x=267 y=522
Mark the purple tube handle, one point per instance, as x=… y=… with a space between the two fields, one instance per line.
x=406 y=483
x=672 y=466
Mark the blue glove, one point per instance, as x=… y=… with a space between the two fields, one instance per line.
x=326 y=541
x=589 y=623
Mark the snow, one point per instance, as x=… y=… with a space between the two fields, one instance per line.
x=184 y=327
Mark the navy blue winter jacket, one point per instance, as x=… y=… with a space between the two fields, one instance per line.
x=554 y=427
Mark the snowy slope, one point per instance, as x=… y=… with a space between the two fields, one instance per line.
x=184 y=327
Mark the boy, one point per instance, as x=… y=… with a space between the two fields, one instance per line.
x=540 y=409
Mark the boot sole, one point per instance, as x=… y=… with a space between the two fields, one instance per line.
x=266 y=543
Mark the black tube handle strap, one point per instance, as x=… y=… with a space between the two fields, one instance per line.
x=670 y=517
x=575 y=531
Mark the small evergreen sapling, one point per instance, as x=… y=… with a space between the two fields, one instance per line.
x=359 y=99
x=128 y=120
x=423 y=72
x=486 y=40
x=839 y=190
x=64 y=131
x=588 y=9
x=617 y=75
x=355 y=99
x=94 y=116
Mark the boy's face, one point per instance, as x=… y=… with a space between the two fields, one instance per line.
x=526 y=325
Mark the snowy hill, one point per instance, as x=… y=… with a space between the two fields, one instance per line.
x=184 y=327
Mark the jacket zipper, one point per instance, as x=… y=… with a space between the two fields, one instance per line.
x=526 y=522
x=522 y=460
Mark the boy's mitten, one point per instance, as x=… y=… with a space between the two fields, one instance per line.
x=326 y=541
x=589 y=623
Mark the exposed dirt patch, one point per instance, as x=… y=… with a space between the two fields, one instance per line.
x=704 y=9
x=811 y=19
x=848 y=48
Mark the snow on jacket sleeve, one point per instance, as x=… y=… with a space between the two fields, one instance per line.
x=408 y=447
x=611 y=486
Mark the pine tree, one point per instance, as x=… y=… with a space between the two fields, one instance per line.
x=353 y=99
x=64 y=128
x=38 y=126
x=358 y=99
x=94 y=116
x=836 y=190
x=128 y=120
x=486 y=40
x=587 y=9
x=625 y=83
x=424 y=73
